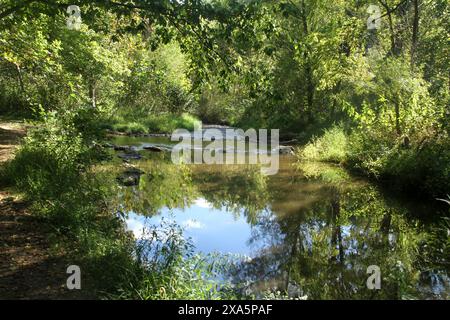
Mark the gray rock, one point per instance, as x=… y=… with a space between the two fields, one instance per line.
x=122 y=148
x=153 y=148
x=130 y=156
x=285 y=150
x=157 y=148
x=130 y=177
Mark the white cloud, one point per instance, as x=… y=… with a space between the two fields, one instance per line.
x=202 y=203
x=193 y=224
x=136 y=226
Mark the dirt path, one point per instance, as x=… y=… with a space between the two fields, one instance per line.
x=10 y=135
x=28 y=268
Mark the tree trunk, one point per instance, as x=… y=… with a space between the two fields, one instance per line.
x=93 y=95
x=415 y=33
x=397 y=118
x=19 y=73
x=394 y=48
x=310 y=88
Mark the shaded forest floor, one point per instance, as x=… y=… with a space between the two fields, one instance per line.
x=29 y=268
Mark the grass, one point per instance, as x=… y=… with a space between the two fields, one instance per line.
x=165 y=123
x=332 y=146
x=423 y=166
x=169 y=269
x=130 y=127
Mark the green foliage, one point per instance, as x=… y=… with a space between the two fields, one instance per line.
x=165 y=123
x=422 y=165
x=440 y=240
x=425 y=167
x=156 y=83
x=130 y=127
x=53 y=169
x=217 y=106
x=168 y=123
x=332 y=146
x=51 y=156
x=294 y=65
x=163 y=252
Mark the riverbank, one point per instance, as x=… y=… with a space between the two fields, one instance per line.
x=160 y=125
x=417 y=166
x=77 y=206
x=408 y=169
x=29 y=267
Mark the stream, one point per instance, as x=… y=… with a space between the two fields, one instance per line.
x=311 y=230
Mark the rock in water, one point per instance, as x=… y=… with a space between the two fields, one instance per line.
x=286 y=150
x=154 y=148
x=130 y=177
x=157 y=148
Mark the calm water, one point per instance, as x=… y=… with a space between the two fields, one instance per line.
x=312 y=229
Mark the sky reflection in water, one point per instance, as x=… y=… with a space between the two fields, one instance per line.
x=211 y=230
x=311 y=224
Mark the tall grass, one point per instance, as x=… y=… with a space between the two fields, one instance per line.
x=164 y=123
x=332 y=146
x=169 y=269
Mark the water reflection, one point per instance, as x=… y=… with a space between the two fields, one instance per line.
x=206 y=226
x=311 y=230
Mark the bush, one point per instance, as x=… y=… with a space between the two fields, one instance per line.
x=332 y=146
x=53 y=169
x=420 y=165
x=425 y=167
x=368 y=151
x=48 y=162
x=130 y=127
x=168 y=123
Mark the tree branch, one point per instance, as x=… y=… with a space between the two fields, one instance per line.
x=388 y=10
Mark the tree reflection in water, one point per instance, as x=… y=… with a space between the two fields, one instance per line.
x=317 y=229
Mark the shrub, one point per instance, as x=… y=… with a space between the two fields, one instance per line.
x=50 y=159
x=168 y=123
x=130 y=127
x=421 y=165
x=332 y=146
x=368 y=151
x=164 y=123
x=53 y=169
x=424 y=167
